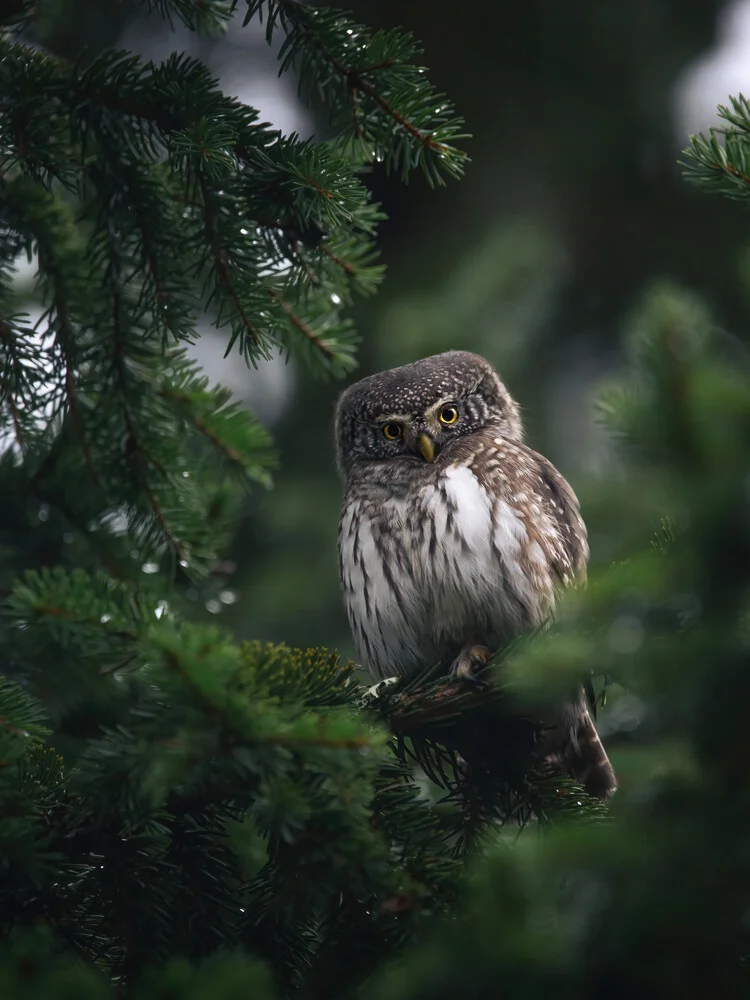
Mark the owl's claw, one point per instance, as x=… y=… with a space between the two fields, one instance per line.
x=373 y=694
x=464 y=666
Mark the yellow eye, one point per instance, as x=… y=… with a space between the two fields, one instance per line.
x=392 y=431
x=448 y=415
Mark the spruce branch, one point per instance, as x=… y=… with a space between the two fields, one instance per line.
x=220 y=159
x=46 y=227
x=138 y=456
x=12 y=376
x=721 y=160
x=21 y=715
x=240 y=442
x=206 y=17
x=345 y=265
x=197 y=421
x=318 y=342
x=77 y=598
x=381 y=102
x=245 y=331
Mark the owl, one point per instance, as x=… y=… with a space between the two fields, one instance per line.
x=454 y=535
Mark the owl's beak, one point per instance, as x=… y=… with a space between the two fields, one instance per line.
x=427 y=447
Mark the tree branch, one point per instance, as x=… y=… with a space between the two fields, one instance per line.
x=299 y=323
x=134 y=445
x=220 y=263
x=6 y=335
x=184 y=400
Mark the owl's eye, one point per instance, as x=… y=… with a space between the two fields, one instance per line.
x=448 y=415
x=392 y=431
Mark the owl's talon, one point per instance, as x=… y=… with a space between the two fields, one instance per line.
x=464 y=666
x=376 y=691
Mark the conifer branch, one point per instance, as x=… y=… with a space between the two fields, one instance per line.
x=44 y=222
x=67 y=614
x=230 y=453
x=20 y=437
x=161 y=297
x=319 y=741
x=207 y=17
x=6 y=336
x=339 y=261
x=315 y=339
x=65 y=336
x=138 y=455
x=417 y=709
x=730 y=169
x=75 y=520
x=326 y=46
x=355 y=81
x=722 y=159
x=232 y=737
x=220 y=264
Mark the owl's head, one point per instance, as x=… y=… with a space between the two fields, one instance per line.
x=417 y=412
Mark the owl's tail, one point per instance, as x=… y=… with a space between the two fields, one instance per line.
x=592 y=767
x=582 y=754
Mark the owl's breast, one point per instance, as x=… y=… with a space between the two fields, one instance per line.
x=448 y=562
x=474 y=553
x=382 y=582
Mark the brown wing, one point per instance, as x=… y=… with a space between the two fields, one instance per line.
x=573 y=745
x=580 y=749
x=562 y=504
x=545 y=503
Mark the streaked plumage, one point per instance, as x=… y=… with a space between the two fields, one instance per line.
x=454 y=538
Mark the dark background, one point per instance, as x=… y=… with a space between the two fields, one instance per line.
x=573 y=207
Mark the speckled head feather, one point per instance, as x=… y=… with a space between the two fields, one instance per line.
x=408 y=393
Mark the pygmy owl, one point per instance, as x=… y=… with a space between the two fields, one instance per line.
x=454 y=535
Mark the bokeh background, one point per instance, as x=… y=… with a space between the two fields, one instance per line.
x=572 y=210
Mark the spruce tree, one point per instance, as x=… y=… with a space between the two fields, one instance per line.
x=181 y=815
x=168 y=796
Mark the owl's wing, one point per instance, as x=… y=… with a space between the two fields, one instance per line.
x=561 y=504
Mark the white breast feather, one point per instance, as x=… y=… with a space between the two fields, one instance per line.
x=381 y=606
x=479 y=559
x=473 y=504
x=469 y=571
